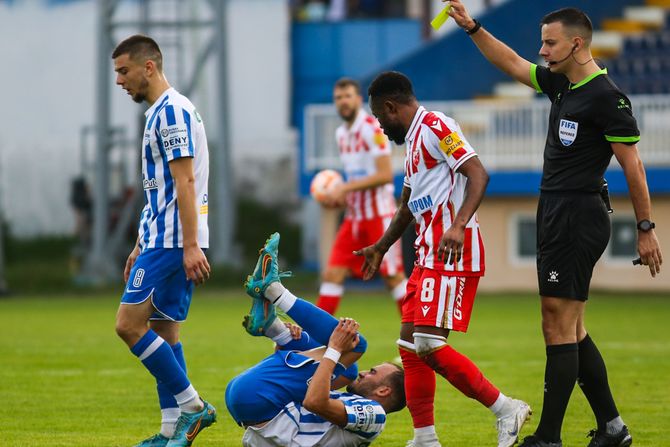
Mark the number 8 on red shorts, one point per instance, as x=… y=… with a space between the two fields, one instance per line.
x=438 y=300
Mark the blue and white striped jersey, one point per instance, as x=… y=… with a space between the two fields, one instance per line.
x=296 y=427
x=173 y=130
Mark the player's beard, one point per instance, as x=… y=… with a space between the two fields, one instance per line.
x=362 y=389
x=141 y=94
x=396 y=133
x=348 y=115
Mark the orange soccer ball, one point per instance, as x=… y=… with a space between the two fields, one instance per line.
x=323 y=183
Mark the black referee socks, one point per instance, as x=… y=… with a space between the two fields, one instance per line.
x=560 y=375
x=592 y=379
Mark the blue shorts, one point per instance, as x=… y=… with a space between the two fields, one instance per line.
x=158 y=274
x=261 y=392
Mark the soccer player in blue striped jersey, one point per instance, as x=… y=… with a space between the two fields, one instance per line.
x=288 y=399
x=168 y=259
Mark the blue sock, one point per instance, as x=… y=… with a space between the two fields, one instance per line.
x=157 y=356
x=351 y=372
x=165 y=397
x=305 y=343
x=318 y=323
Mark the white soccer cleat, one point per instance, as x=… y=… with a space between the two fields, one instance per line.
x=412 y=443
x=510 y=426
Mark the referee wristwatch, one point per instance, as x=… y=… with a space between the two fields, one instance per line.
x=645 y=225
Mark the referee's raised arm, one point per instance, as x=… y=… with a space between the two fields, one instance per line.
x=499 y=54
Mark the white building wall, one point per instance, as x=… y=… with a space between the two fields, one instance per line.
x=48 y=76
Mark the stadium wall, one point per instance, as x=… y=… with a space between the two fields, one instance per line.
x=515 y=22
x=48 y=80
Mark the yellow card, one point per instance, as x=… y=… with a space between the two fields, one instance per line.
x=442 y=17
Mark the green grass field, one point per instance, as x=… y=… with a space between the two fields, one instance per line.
x=67 y=380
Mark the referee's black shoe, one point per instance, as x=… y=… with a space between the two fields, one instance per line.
x=534 y=441
x=603 y=439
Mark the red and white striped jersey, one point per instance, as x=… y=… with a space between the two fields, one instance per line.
x=359 y=146
x=436 y=148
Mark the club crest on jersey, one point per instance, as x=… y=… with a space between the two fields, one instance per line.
x=567 y=132
x=415 y=157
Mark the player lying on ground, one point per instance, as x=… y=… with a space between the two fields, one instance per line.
x=286 y=399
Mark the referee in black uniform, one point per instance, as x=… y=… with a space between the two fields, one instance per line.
x=590 y=121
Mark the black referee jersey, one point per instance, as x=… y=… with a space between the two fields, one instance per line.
x=585 y=119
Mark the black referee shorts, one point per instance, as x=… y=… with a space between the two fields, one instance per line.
x=573 y=230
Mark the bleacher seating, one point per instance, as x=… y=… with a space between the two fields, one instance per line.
x=644 y=63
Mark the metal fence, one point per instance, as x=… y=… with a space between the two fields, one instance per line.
x=507 y=135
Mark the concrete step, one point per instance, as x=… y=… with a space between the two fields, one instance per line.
x=660 y=3
x=623 y=26
x=606 y=44
x=652 y=16
x=511 y=90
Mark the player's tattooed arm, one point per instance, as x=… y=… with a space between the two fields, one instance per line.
x=401 y=219
x=374 y=253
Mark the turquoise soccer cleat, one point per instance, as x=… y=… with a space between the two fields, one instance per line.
x=262 y=312
x=190 y=424
x=156 y=440
x=267 y=269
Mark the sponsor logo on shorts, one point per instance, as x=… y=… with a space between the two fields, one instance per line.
x=553 y=276
x=424 y=310
x=458 y=315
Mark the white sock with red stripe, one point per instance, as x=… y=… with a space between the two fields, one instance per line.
x=398 y=293
x=330 y=294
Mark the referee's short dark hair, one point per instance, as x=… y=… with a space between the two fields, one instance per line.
x=140 y=47
x=571 y=18
x=348 y=82
x=392 y=85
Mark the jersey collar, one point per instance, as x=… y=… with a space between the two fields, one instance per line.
x=418 y=117
x=588 y=78
x=159 y=102
x=360 y=117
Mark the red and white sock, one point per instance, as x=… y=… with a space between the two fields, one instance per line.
x=459 y=370
x=419 y=387
x=398 y=293
x=329 y=297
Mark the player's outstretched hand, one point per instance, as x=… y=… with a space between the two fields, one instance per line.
x=373 y=259
x=451 y=245
x=345 y=336
x=130 y=262
x=650 y=251
x=294 y=329
x=460 y=15
x=195 y=264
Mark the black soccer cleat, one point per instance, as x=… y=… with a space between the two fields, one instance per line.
x=534 y=441
x=603 y=439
